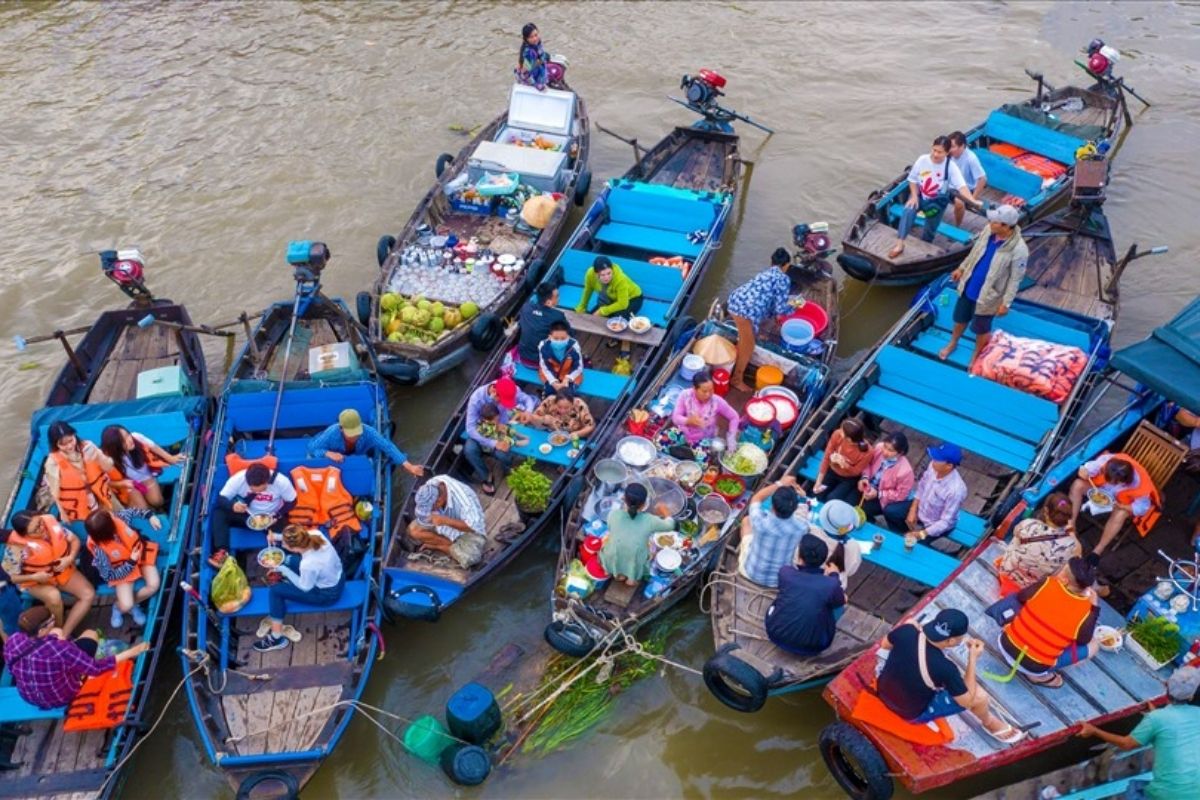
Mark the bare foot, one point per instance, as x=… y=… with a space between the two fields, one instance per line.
x=630 y=582
x=945 y=352
x=896 y=251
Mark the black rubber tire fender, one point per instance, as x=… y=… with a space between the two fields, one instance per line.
x=362 y=306
x=486 y=332
x=855 y=763
x=681 y=332
x=251 y=782
x=443 y=161
x=401 y=370
x=569 y=638
x=384 y=248
x=397 y=609
x=533 y=274
x=857 y=267
x=582 y=185
x=734 y=682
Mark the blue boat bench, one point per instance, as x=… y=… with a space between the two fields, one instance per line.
x=655 y=221
x=1007 y=177
x=14 y=708
x=1030 y=136
x=596 y=382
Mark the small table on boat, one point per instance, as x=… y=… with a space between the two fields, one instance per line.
x=591 y=323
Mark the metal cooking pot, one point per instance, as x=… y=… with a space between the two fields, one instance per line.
x=667 y=492
x=611 y=474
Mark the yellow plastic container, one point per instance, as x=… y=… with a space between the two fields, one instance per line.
x=768 y=375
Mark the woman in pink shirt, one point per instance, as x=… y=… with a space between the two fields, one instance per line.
x=889 y=477
x=697 y=409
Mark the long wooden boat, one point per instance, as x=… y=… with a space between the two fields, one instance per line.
x=268 y=720
x=99 y=386
x=1107 y=687
x=590 y=614
x=683 y=185
x=544 y=138
x=901 y=385
x=1048 y=127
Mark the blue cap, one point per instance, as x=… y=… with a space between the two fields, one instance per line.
x=947 y=452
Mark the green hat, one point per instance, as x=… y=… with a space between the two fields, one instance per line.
x=350 y=422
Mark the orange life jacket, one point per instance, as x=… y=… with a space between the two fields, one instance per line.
x=1049 y=623
x=40 y=554
x=321 y=499
x=153 y=463
x=236 y=463
x=102 y=700
x=121 y=549
x=75 y=487
x=1130 y=494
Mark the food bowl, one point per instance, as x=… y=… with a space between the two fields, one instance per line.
x=611 y=474
x=635 y=451
x=688 y=473
x=260 y=522
x=1109 y=638
x=668 y=560
x=703 y=490
x=271 y=557
x=713 y=509
x=545 y=448
x=747 y=461
x=573 y=453
x=1099 y=498
x=730 y=487
x=640 y=324
x=786 y=411
x=616 y=325
x=1181 y=603
x=667 y=492
x=559 y=438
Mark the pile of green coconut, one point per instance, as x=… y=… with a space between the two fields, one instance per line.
x=416 y=320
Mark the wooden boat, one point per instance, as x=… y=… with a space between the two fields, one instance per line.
x=512 y=143
x=268 y=720
x=587 y=613
x=902 y=385
x=1048 y=127
x=684 y=184
x=100 y=386
x=1107 y=687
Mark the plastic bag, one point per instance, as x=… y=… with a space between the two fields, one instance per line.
x=467 y=549
x=230 y=589
x=622 y=366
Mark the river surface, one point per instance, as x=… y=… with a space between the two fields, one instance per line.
x=209 y=134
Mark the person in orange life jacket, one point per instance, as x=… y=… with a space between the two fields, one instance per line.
x=137 y=462
x=47 y=552
x=919 y=683
x=254 y=490
x=1055 y=624
x=535 y=320
x=349 y=436
x=121 y=557
x=76 y=474
x=560 y=361
x=1130 y=491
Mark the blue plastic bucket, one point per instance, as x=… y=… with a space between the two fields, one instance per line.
x=796 y=335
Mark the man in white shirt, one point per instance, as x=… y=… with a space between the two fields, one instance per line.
x=968 y=164
x=931 y=180
x=254 y=490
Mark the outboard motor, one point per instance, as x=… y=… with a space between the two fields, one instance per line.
x=1101 y=59
x=126 y=268
x=703 y=90
x=813 y=247
x=307 y=259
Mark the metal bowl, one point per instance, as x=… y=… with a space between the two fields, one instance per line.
x=635 y=451
x=611 y=473
x=713 y=509
x=668 y=493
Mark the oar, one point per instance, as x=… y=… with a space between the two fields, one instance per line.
x=638 y=152
x=21 y=342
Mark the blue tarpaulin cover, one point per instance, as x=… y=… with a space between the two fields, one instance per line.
x=1169 y=360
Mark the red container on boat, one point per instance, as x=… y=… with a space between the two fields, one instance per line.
x=785 y=410
x=590 y=548
x=811 y=313
x=721 y=381
x=595 y=570
x=760 y=411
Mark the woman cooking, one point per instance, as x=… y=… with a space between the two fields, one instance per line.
x=697 y=409
x=626 y=551
x=765 y=295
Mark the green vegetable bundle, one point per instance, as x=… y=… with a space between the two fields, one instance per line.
x=1159 y=636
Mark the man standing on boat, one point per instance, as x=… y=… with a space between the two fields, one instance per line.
x=349 y=436
x=988 y=279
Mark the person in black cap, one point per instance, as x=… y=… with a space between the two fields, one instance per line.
x=920 y=683
x=1055 y=624
x=803 y=618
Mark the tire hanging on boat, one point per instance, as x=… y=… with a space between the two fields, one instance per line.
x=532 y=273
x=275 y=782
x=384 y=248
x=734 y=682
x=404 y=371
x=855 y=763
x=443 y=161
x=569 y=638
x=397 y=607
x=857 y=267
x=581 y=187
x=362 y=307
x=486 y=332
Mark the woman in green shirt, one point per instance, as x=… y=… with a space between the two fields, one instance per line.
x=626 y=551
x=619 y=295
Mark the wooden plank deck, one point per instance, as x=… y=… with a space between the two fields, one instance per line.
x=139 y=349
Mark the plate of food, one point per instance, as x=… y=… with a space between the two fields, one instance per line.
x=1109 y=638
x=640 y=324
x=260 y=522
x=559 y=438
x=1099 y=498
x=270 y=557
x=617 y=325
x=545 y=448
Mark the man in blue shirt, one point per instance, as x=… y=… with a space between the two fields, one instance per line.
x=771 y=532
x=972 y=171
x=988 y=279
x=351 y=437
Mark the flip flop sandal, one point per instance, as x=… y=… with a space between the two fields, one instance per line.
x=291 y=634
x=487 y=489
x=264 y=627
x=1006 y=735
x=1054 y=682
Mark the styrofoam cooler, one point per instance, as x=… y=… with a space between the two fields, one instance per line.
x=542 y=169
x=550 y=111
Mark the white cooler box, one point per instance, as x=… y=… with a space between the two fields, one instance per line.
x=542 y=169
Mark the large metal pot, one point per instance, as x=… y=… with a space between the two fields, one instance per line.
x=611 y=474
x=666 y=492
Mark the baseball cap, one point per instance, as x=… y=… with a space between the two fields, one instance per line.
x=1183 y=683
x=1005 y=214
x=947 y=624
x=350 y=422
x=426 y=498
x=506 y=392
x=947 y=452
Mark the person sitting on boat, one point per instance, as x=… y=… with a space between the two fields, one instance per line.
x=532 y=61
x=535 y=320
x=1055 y=624
x=847 y=456
x=443 y=510
x=626 y=551
x=697 y=409
x=491 y=427
x=48 y=667
x=1173 y=732
x=349 y=436
x=121 y=556
x=560 y=360
x=1040 y=545
x=803 y=618
x=920 y=683
x=513 y=405
x=836 y=520
x=255 y=491
x=758 y=299
x=972 y=171
x=771 y=532
x=619 y=296
x=988 y=279
x=76 y=473
x=930 y=181
x=932 y=513
x=44 y=552
x=137 y=463
x=317 y=580
x=562 y=411
x=1129 y=490
x=1185 y=426
x=888 y=479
